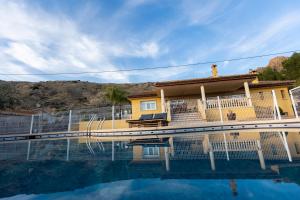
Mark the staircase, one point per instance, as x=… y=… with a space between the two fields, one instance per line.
x=192 y=118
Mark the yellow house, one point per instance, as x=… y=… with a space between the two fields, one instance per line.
x=216 y=98
x=213 y=99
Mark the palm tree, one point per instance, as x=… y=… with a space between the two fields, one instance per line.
x=116 y=96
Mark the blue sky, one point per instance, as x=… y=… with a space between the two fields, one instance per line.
x=52 y=36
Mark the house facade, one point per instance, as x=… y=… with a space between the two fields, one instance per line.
x=217 y=98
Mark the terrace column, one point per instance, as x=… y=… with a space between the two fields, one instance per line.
x=260 y=156
x=162 y=99
x=203 y=96
x=167 y=159
x=247 y=92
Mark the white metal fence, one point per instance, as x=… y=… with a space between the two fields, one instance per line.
x=295 y=97
x=59 y=121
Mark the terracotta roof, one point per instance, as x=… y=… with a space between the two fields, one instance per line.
x=143 y=94
x=262 y=84
x=205 y=80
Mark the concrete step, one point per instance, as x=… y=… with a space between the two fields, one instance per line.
x=182 y=117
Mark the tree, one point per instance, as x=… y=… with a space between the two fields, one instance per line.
x=291 y=68
x=116 y=96
x=6 y=96
x=269 y=74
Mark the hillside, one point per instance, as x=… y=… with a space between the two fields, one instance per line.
x=274 y=63
x=59 y=95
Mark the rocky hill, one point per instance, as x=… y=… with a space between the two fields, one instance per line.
x=59 y=95
x=274 y=63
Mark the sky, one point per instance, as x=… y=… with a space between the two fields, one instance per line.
x=55 y=36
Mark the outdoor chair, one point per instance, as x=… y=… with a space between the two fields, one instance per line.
x=146 y=117
x=231 y=116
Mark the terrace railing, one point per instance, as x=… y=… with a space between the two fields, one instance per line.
x=234 y=145
x=227 y=103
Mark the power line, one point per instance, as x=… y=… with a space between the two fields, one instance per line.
x=148 y=68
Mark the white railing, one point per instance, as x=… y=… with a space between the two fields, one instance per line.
x=235 y=145
x=227 y=103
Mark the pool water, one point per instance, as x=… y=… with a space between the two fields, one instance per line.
x=62 y=169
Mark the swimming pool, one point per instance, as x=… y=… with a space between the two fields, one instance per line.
x=244 y=165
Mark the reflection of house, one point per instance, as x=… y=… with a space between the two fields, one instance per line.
x=243 y=145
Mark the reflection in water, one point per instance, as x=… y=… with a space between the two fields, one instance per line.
x=40 y=166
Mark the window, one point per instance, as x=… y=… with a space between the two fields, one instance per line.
x=151 y=152
x=261 y=95
x=282 y=92
x=148 y=105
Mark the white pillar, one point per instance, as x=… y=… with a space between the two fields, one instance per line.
x=162 y=99
x=113 y=116
x=247 y=92
x=31 y=124
x=211 y=155
x=171 y=142
x=293 y=103
x=112 y=151
x=28 y=150
x=226 y=146
x=285 y=143
x=212 y=160
x=167 y=159
x=169 y=116
x=203 y=96
x=260 y=156
x=70 y=121
x=220 y=109
x=68 y=149
x=276 y=104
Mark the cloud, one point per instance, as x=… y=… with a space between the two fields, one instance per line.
x=203 y=12
x=35 y=41
x=269 y=35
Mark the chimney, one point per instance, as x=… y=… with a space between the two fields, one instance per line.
x=214 y=70
x=252 y=71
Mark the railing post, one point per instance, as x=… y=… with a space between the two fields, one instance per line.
x=28 y=150
x=70 y=121
x=113 y=116
x=276 y=105
x=260 y=155
x=220 y=109
x=286 y=146
x=293 y=104
x=112 y=150
x=68 y=149
x=226 y=146
x=31 y=124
